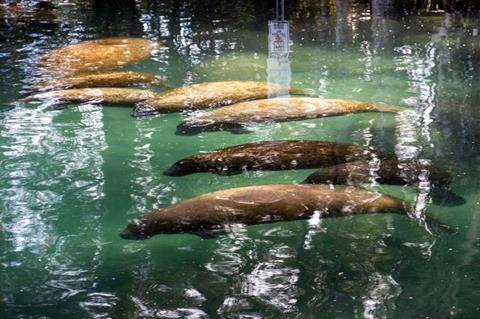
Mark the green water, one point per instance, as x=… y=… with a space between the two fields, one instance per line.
x=71 y=179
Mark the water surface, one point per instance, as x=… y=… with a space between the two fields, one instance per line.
x=71 y=179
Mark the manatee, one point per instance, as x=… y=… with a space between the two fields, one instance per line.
x=272 y=155
x=275 y=110
x=391 y=171
x=261 y=204
x=93 y=95
x=210 y=94
x=94 y=55
x=22 y=14
x=107 y=79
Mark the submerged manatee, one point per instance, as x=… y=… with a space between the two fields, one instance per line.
x=94 y=55
x=23 y=14
x=391 y=171
x=261 y=204
x=387 y=171
x=93 y=95
x=107 y=79
x=275 y=110
x=272 y=155
x=210 y=94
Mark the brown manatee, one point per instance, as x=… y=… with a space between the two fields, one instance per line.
x=106 y=79
x=94 y=55
x=210 y=94
x=393 y=172
x=275 y=110
x=261 y=204
x=93 y=95
x=23 y=14
x=272 y=155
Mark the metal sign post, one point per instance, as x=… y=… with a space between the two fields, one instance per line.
x=278 y=65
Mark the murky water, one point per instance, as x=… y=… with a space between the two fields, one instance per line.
x=71 y=179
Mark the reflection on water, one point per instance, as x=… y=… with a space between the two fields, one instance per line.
x=71 y=179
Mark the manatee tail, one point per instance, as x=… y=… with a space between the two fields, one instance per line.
x=446 y=197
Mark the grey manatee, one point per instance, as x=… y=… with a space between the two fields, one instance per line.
x=391 y=171
x=93 y=95
x=261 y=204
x=112 y=79
x=210 y=94
x=236 y=116
x=272 y=155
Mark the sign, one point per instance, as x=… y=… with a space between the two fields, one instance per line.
x=278 y=39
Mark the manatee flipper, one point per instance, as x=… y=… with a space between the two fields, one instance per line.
x=59 y=106
x=210 y=233
x=142 y=109
x=227 y=172
x=436 y=223
x=238 y=129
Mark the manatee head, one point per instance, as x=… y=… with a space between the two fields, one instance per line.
x=326 y=176
x=152 y=224
x=135 y=230
x=165 y=221
x=182 y=167
x=144 y=109
x=186 y=128
x=319 y=177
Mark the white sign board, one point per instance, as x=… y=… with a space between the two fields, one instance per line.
x=278 y=39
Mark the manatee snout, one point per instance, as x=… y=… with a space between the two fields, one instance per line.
x=134 y=231
x=182 y=168
x=176 y=170
x=144 y=109
x=187 y=129
x=319 y=177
